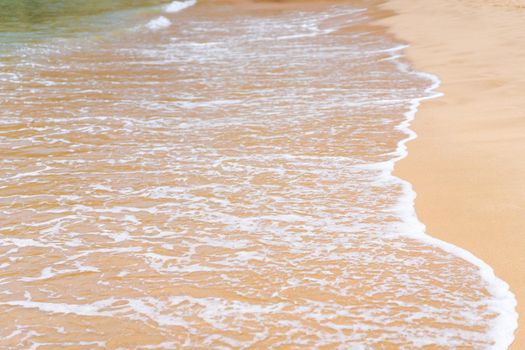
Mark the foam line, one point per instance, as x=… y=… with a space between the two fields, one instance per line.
x=504 y=302
x=177 y=6
x=162 y=22
x=158 y=23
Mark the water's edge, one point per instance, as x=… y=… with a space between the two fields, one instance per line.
x=504 y=301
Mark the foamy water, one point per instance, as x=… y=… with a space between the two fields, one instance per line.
x=221 y=178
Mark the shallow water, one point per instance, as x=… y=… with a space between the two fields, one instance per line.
x=51 y=15
x=221 y=181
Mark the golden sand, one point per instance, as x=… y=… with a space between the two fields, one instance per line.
x=468 y=162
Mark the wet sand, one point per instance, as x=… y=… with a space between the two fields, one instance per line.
x=468 y=162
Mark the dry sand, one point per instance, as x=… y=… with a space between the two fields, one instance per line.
x=468 y=163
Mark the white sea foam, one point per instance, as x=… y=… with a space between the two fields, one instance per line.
x=503 y=300
x=158 y=23
x=177 y=6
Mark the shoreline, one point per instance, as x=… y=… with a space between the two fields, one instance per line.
x=465 y=164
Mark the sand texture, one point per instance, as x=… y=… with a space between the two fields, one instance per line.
x=468 y=162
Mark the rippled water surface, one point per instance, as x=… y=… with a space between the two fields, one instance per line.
x=220 y=183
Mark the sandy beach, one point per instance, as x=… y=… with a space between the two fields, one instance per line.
x=468 y=162
x=219 y=174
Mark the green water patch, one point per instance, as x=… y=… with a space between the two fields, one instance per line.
x=23 y=18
